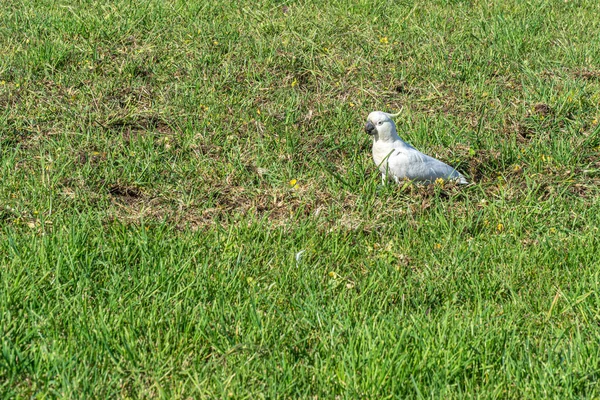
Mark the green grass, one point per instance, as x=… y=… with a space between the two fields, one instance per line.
x=149 y=229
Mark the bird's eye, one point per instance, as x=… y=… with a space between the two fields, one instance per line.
x=380 y=123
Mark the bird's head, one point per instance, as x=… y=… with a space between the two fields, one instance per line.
x=381 y=126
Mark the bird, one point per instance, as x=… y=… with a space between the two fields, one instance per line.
x=398 y=160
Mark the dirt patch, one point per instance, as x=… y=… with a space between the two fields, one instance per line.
x=125 y=192
x=585 y=191
x=207 y=149
x=141 y=123
x=587 y=75
x=92 y=157
x=524 y=132
x=542 y=109
x=402 y=88
x=133 y=127
x=15 y=133
x=480 y=162
x=8 y=100
x=273 y=204
x=541 y=114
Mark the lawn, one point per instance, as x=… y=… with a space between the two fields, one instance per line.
x=189 y=208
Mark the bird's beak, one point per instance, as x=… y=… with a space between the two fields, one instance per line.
x=370 y=128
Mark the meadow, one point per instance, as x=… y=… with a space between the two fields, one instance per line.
x=189 y=208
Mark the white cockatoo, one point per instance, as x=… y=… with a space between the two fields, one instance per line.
x=398 y=160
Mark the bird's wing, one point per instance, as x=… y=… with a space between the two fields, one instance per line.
x=414 y=165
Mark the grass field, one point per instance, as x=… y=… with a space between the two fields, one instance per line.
x=189 y=209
